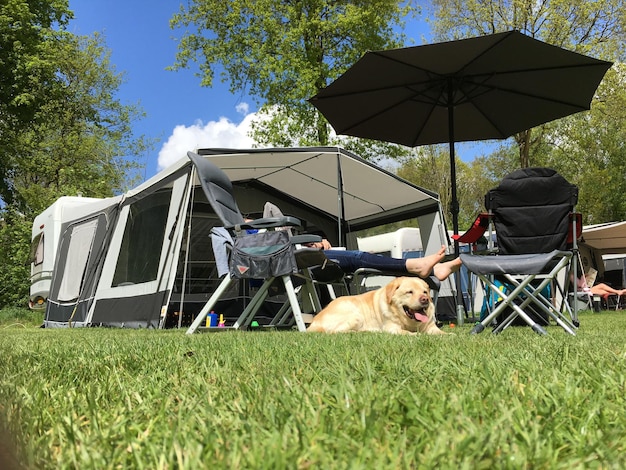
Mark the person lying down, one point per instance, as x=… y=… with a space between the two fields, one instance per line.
x=351 y=260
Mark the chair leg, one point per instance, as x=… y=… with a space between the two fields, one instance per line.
x=293 y=300
x=520 y=287
x=224 y=285
x=251 y=309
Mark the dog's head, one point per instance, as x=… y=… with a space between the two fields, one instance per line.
x=410 y=297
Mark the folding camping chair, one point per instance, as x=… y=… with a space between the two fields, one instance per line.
x=325 y=272
x=614 y=302
x=531 y=211
x=269 y=255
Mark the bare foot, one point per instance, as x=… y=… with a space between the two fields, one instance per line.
x=424 y=266
x=443 y=270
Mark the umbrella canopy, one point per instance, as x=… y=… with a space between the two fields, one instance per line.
x=487 y=87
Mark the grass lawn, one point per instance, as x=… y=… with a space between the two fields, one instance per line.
x=107 y=398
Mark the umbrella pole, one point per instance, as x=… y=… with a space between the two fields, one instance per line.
x=454 y=205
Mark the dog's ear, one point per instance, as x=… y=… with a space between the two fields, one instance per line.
x=392 y=287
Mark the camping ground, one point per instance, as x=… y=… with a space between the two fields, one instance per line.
x=113 y=398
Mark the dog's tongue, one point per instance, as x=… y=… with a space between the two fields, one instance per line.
x=419 y=317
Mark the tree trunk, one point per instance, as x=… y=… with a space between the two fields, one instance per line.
x=322 y=132
x=523 y=143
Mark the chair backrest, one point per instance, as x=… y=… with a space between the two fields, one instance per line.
x=218 y=190
x=531 y=211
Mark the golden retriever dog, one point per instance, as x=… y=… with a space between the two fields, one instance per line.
x=403 y=306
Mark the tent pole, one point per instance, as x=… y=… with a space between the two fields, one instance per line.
x=187 y=243
x=341 y=209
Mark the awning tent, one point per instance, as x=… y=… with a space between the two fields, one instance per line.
x=333 y=181
x=605 y=239
x=147 y=257
x=600 y=242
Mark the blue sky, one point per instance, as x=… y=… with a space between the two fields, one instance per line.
x=181 y=115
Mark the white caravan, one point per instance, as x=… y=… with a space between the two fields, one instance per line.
x=44 y=240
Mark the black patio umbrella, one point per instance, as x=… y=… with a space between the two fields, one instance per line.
x=486 y=87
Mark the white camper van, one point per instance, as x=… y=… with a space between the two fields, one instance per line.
x=406 y=243
x=44 y=240
x=403 y=243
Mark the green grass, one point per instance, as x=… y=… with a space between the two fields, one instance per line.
x=104 y=398
x=20 y=317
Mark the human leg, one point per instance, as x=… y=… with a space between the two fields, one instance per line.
x=351 y=260
x=424 y=266
x=604 y=289
x=443 y=270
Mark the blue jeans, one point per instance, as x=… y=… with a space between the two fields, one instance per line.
x=351 y=260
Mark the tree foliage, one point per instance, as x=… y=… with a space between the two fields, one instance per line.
x=282 y=53
x=62 y=130
x=429 y=167
x=28 y=31
x=594 y=27
x=586 y=148
x=15 y=232
x=80 y=142
x=590 y=150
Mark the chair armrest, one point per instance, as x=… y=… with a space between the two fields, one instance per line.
x=305 y=238
x=267 y=222
x=478 y=228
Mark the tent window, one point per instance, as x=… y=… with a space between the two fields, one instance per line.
x=140 y=252
x=36 y=250
x=81 y=241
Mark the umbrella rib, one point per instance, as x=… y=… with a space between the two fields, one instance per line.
x=411 y=85
x=414 y=91
x=370 y=116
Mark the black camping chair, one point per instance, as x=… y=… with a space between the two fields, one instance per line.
x=532 y=213
x=270 y=255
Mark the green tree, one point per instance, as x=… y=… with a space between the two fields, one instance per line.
x=26 y=29
x=81 y=139
x=590 y=27
x=15 y=232
x=62 y=131
x=429 y=167
x=282 y=53
x=590 y=150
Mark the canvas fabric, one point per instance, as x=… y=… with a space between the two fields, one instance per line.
x=262 y=255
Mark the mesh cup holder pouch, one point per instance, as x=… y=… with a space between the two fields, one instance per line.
x=262 y=255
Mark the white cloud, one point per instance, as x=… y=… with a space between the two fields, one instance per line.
x=214 y=134
x=242 y=108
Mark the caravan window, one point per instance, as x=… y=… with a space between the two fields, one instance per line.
x=140 y=252
x=80 y=244
x=36 y=250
